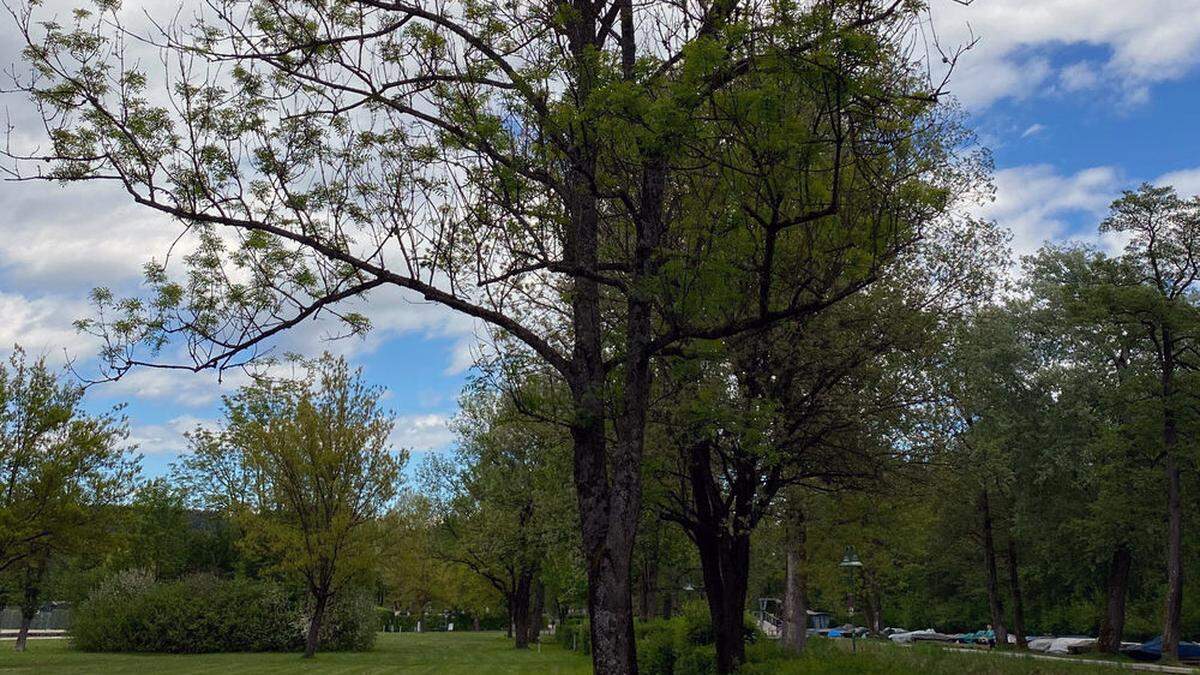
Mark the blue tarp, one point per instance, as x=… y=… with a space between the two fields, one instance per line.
x=1151 y=650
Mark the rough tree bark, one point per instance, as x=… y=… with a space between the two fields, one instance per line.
x=795 y=599
x=1014 y=587
x=520 y=609
x=995 y=606
x=1112 y=626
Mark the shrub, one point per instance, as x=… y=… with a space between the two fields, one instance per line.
x=698 y=660
x=682 y=645
x=656 y=649
x=130 y=612
x=350 y=623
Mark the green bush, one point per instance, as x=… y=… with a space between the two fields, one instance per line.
x=697 y=660
x=130 y=612
x=683 y=645
x=565 y=634
x=350 y=623
x=656 y=648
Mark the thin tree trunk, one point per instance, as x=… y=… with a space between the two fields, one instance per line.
x=648 y=580
x=795 y=599
x=1112 y=627
x=668 y=605
x=989 y=560
x=1014 y=586
x=313 y=638
x=1174 y=608
x=23 y=634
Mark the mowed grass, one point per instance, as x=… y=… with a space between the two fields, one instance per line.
x=450 y=653
x=487 y=653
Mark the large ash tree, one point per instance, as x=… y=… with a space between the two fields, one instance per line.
x=599 y=180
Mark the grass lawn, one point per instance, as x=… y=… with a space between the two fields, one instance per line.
x=487 y=653
x=449 y=653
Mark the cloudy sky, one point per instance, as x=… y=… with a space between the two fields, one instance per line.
x=1077 y=100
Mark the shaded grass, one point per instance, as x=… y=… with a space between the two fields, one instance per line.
x=877 y=657
x=449 y=653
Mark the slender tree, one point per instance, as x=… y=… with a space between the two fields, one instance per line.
x=320 y=443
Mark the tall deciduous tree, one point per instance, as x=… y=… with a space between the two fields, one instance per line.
x=600 y=180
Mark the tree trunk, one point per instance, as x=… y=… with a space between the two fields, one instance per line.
x=520 y=609
x=23 y=634
x=475 y=624
x=724 y=561
x=872 y=602
x=1014 y=586
x=313 y=638
x=989 y=560
x=668 y=605
x=1174 y=602
x=795 y=599
x=538 y=608
x=1172 y=619
x=1112 y=627
x=648 y=582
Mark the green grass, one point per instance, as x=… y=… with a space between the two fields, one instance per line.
x=875 y=657
x=448 y=653
x=491 y=653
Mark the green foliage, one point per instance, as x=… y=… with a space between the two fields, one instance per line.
x=350 y=622
x=682 y=645
x=130 y=612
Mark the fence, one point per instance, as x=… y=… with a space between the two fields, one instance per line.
x=54 y=616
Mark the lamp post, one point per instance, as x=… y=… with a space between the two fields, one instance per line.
x=851 y=563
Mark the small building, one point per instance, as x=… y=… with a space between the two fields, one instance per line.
x=819 y=620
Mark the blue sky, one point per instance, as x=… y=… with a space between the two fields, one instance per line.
x=1076 y=99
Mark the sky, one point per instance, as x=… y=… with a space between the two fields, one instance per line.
x=1076 y=99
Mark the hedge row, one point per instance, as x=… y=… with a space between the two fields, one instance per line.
x=131 y=612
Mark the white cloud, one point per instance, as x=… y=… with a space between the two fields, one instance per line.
x=168 y=438
x=423 y=433
x=1186 y=181
x=42 y=325
x=1036 y=202
x=1145 y=42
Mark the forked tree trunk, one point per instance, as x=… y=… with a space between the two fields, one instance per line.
x=312 y=640
x=1014 y=587
x=795 y=599
x=1112 y=627
x=995 y=606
